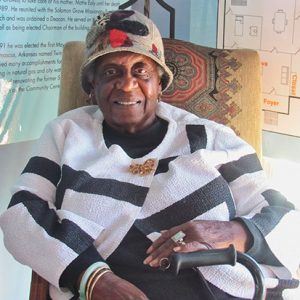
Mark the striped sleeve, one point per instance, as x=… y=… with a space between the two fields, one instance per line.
x=265 y=211
x=36 y=232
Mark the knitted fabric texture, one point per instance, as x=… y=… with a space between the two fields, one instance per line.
x=123 y=30
x=87 y=197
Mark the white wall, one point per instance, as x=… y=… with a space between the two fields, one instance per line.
x=161 y=17
x=203 y=22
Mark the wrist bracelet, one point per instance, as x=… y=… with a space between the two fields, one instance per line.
x=87 y=274
x=91 y=278
x=90 y=288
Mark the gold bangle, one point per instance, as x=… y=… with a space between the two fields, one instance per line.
x=91 y=288
x=90 y=279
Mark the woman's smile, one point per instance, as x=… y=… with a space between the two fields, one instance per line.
x=127 y=103
x=126 y=89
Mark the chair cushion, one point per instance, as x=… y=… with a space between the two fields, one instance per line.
x=202 y=81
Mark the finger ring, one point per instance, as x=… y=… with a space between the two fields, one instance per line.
x=164 y=263
x=207 y=245
x=178 y=238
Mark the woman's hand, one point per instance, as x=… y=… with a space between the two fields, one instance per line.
x=199 y=235
x=112 y=287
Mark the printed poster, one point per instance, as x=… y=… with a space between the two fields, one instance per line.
x=33 y=33
x=272 y=27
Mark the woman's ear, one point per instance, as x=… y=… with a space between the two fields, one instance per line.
x=91 y=80
x=159 y=92
x=91 y=99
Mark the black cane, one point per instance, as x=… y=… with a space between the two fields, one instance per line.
x=226 y=256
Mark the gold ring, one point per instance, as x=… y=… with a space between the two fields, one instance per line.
x=207 y=245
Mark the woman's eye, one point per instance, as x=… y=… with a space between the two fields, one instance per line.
x=109 y=72
x=142 y=72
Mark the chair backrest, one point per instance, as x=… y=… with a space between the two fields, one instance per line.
x=39 y=288
x=218 y=84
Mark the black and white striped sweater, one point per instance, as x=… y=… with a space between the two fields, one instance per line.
x=76 y=194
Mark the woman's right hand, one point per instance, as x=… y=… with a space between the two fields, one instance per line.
x=112 y=287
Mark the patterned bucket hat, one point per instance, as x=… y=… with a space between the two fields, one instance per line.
x=123 y=30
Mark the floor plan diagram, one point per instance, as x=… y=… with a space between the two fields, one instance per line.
x=273 y=28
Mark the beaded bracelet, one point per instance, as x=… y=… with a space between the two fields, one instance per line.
x=92 y=268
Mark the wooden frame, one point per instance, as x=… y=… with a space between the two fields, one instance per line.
x=39 y=289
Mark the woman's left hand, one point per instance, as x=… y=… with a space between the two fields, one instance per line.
x=199 y=235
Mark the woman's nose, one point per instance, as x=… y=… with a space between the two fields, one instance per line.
x=126 y=83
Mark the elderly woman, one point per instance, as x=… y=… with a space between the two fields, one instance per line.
x=115 y=188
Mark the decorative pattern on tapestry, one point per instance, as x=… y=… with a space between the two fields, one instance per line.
x=204 y=81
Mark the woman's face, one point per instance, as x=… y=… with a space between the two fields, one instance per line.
x=126 y=88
